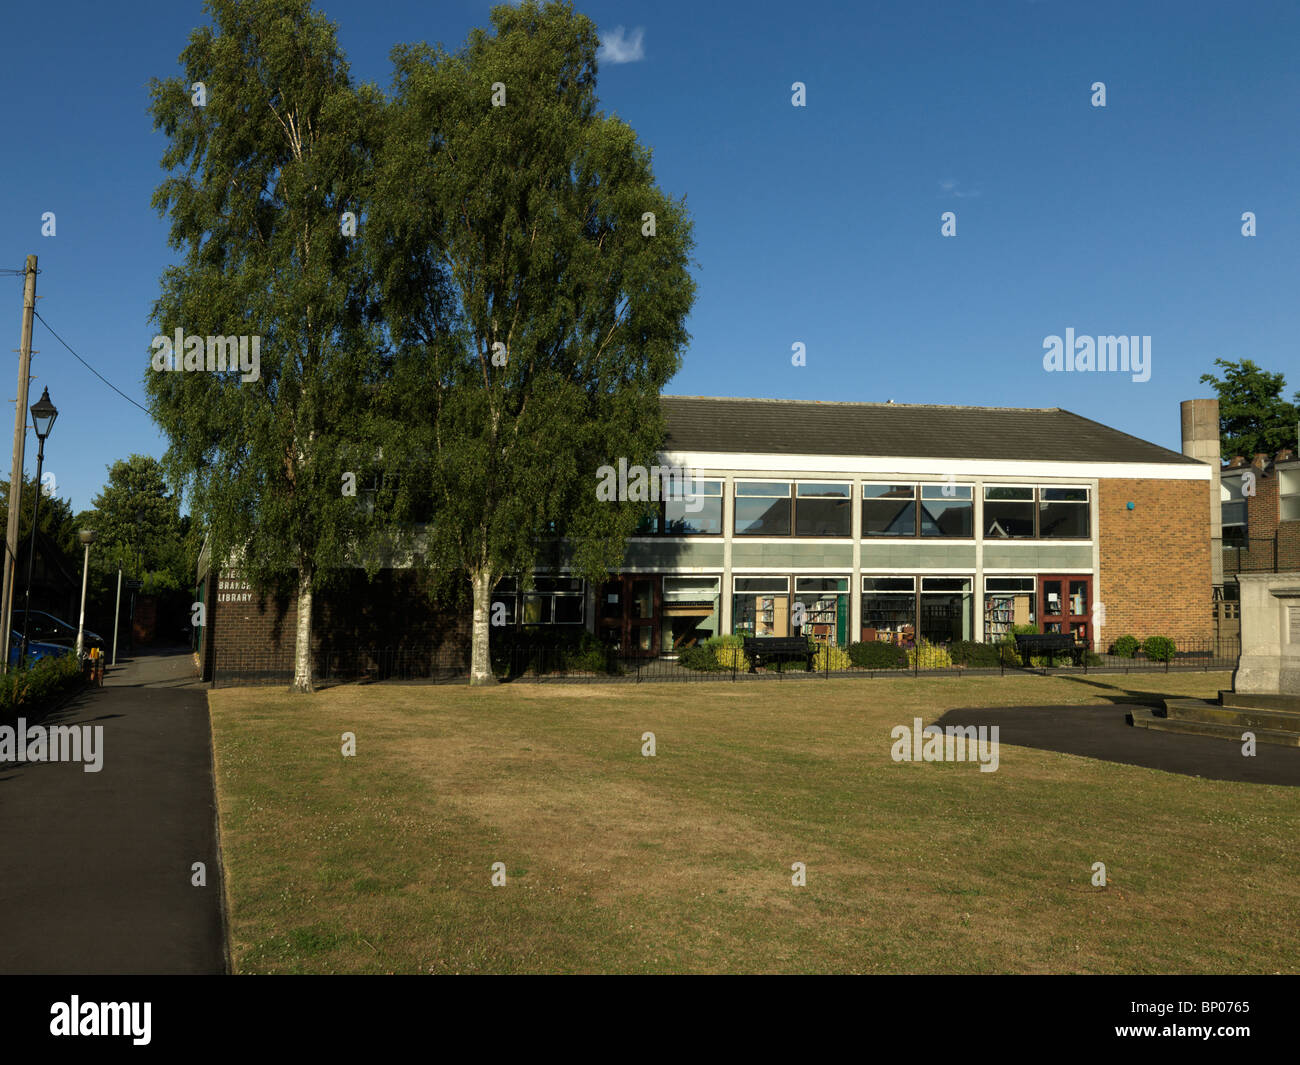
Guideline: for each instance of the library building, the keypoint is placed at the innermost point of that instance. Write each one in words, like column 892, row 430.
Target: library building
column 870, row 522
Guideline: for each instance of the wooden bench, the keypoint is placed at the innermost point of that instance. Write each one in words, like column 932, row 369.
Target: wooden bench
column 759, row 648
column 1048, row 643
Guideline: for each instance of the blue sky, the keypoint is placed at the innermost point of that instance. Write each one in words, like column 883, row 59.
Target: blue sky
column 818, row 225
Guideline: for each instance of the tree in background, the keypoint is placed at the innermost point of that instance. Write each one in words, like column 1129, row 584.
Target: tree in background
column 535, row 287
column 55, row 521
column 136, row 517
column 264, row 167
column 1254, row 416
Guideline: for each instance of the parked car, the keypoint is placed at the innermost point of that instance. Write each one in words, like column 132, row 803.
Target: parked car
column 36, row 649
column 46, row 628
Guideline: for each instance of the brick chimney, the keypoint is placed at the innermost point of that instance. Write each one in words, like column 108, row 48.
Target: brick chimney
column 1200, row 424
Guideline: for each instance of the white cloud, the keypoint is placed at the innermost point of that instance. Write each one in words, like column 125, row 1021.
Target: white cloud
column 618, row 47
column 950, row 187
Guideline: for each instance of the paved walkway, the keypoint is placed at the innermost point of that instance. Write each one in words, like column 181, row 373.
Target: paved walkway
column 1104, row 732
column 95, row 868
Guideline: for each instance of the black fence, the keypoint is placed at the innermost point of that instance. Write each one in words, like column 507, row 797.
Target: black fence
column 1257, row 555
column 524, row 663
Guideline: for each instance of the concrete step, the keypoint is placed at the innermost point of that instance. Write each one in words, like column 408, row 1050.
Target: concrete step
column 1261, row 701
column 1148, row 719
column 1246, row 717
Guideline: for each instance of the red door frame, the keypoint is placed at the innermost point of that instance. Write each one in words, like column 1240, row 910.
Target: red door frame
column 1067, row 620
column 610, row 615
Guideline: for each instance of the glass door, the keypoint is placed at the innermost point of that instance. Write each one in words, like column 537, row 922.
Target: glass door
column 1066, row 603
column 630, row 607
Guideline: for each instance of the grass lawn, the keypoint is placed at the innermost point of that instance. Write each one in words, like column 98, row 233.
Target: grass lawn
column 681, row 862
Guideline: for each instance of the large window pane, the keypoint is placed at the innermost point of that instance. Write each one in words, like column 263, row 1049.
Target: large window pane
column 823, row 510
column 761, row 606
column 698, row 512
column 946, row 609
column 947, row 510
column 690, row 611
column 1008, row 601
column 889, row 510
column 1008, row 513
column 889, row 609
column 762, row 509
column 825, row 602
column 1063, row 513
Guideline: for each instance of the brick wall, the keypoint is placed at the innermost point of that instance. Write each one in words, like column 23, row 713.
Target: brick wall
column 356, row 626
column 1155, row 559
column 1262, row 524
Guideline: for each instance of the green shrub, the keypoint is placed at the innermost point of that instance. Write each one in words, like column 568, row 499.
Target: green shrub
column 38, row 685
column 1094, row 659
column 729, row 652
column 876, row 655
column 832, row 659
column 976, row 655
column 1158, row 648
column 1125, row 647
column 932, row 656
column 700, row 657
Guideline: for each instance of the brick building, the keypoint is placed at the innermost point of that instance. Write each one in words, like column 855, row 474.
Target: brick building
column 862, row 521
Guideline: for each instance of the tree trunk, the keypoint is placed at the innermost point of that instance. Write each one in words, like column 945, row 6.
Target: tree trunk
column 302, row 680
column 480, row 662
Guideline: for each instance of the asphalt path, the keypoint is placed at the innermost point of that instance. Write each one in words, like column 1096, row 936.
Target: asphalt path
column 97, row 869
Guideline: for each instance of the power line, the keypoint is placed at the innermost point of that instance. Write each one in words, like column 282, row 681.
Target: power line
column 91, row 368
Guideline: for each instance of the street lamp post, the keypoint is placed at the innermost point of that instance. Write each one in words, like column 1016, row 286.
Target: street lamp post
column 87, row 537
column 43, row 414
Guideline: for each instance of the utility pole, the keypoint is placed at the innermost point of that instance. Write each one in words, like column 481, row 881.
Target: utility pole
column 16, row 476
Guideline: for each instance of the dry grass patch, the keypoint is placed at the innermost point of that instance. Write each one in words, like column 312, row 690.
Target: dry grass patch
column 616, row 862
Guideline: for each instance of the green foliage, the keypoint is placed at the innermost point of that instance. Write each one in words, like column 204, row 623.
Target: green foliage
column 1125, row 647
column 700, row 657
column 932, row 656
column 1094, row 659
column 729, row 652
column 55, row 522
column 42, row 683
column 1254, row 415
column 552, row 650
column 257, row 181
column 1158, row 648
column 976, row 655
column 521, row 226
column 876, row 655
column 832, row 659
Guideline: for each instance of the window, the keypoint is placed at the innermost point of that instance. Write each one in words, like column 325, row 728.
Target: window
column 1288, row 495
column 698, row 512
column 690, row 611
column 947, row 510
column 825, row 603
column 763, row 508
column 945, row 609
column 1008, row 601
column 760, row 606
column 1063, row 513
column 1008, row 513
column 889, row 510
column 889, row 609
column 506, row 594
column 554, row 601
column 823, row 510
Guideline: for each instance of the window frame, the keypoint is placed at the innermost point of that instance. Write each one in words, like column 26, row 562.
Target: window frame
column 736, row 497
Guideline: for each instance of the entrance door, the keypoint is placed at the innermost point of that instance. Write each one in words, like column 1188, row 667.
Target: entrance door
column 1065, row 605
column 630, row 608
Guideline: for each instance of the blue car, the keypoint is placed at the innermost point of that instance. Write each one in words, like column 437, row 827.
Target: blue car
column 36, row 649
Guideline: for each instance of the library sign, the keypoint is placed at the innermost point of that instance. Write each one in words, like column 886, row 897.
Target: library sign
column 234, row 590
